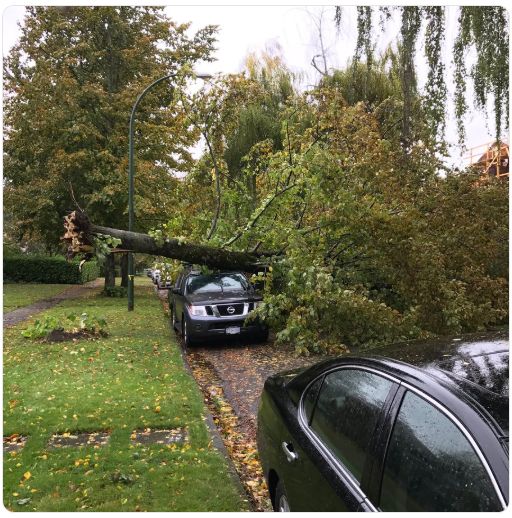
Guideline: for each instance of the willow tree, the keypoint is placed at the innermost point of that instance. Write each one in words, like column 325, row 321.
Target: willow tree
column 261, row 117
column 234, row 113
column 482, row 29
column 378, row 87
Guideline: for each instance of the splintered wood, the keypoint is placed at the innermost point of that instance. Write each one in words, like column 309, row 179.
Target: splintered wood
column 75, row 236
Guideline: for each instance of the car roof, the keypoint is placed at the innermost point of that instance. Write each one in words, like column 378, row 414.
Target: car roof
column 476, row 365
column 465, row 357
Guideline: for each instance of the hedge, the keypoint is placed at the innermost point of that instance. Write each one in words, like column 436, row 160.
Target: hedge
column 48, row 270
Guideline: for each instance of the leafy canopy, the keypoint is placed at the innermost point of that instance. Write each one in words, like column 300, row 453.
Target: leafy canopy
column 70, row 84
column 484, row 29
column 368, row 245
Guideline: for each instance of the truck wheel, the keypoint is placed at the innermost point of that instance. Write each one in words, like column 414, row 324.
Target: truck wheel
column 173, row 319
column 185, row 333
column 263, row 335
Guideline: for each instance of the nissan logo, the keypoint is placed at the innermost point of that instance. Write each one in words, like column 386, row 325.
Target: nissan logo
column 230, row 310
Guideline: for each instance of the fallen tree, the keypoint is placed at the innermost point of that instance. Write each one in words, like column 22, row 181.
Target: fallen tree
column 81, row 233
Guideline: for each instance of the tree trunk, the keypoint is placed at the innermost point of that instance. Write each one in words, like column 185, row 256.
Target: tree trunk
column 124, row 270
column 110, row 271
column 80, row 233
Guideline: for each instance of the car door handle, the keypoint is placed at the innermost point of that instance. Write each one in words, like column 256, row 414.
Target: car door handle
column 288, row 451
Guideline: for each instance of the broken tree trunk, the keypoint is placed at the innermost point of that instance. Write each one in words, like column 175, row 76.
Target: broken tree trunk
column 80, row 233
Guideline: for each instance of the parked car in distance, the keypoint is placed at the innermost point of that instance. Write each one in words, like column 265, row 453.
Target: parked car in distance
column 155, row 276
column 422, row 426
column 164, row 284
column 210, row 305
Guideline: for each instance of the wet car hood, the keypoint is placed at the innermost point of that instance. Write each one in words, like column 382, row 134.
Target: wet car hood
column 228, row 297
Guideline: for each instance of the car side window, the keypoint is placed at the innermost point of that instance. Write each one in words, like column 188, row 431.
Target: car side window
column 346, row 412
column 310, row 398
column 183, row 281
column 431, row 466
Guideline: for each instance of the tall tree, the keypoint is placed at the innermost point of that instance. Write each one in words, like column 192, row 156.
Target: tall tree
column 484, row 29
column 261, row 117
column 70, row 84
column 235, row 114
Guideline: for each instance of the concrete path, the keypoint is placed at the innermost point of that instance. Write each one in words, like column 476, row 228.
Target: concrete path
column 18, row 315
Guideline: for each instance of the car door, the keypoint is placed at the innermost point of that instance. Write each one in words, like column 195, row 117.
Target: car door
column 340, row 415
column 433, row 464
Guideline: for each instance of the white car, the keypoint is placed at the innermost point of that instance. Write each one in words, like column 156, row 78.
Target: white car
column 155, row 276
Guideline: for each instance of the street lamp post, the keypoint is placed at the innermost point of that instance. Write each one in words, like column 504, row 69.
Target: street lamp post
column 131, row 176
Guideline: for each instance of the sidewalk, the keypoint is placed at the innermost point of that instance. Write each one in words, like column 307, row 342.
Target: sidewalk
column 18, row 315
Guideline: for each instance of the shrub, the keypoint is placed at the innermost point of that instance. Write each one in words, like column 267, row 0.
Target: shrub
column 42, row 328
column 48, row 270
column 90, row 271
column 115, row 291
column 78, row 324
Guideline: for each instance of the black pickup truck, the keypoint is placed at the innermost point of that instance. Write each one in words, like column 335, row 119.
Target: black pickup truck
column 209, row 305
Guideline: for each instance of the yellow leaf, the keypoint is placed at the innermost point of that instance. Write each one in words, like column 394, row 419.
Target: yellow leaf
column 27, row 475
column 157, row 409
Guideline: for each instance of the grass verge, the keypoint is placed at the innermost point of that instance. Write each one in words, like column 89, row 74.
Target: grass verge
column 19, row 295
column 132, row 379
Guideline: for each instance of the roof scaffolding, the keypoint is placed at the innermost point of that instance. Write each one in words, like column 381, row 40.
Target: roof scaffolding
column 492, row 159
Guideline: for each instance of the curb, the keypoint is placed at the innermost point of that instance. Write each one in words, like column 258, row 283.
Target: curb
column 217, row 441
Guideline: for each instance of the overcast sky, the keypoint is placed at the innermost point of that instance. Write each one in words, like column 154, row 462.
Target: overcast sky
column 245, row 29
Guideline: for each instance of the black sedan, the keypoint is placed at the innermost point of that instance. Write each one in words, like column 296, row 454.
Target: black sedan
column 424, row 427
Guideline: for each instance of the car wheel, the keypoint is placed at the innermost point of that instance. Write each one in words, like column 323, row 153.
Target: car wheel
column 281, row 504
column 263, row 335
column 173, row 319
column 186, row 337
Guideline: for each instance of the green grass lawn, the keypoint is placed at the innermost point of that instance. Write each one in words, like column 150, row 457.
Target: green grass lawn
column 19, row 295
column 130, row 380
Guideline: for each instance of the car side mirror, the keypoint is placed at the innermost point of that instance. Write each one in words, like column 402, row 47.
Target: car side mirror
column 177, row 291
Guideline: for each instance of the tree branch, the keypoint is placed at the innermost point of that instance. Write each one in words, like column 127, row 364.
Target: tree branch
column 253, row 222
column 215, row 219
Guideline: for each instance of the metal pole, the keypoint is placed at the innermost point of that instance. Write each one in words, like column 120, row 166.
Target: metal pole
column 131, row 176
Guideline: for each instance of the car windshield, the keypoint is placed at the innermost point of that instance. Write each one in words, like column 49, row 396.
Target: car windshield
column 217, row 283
